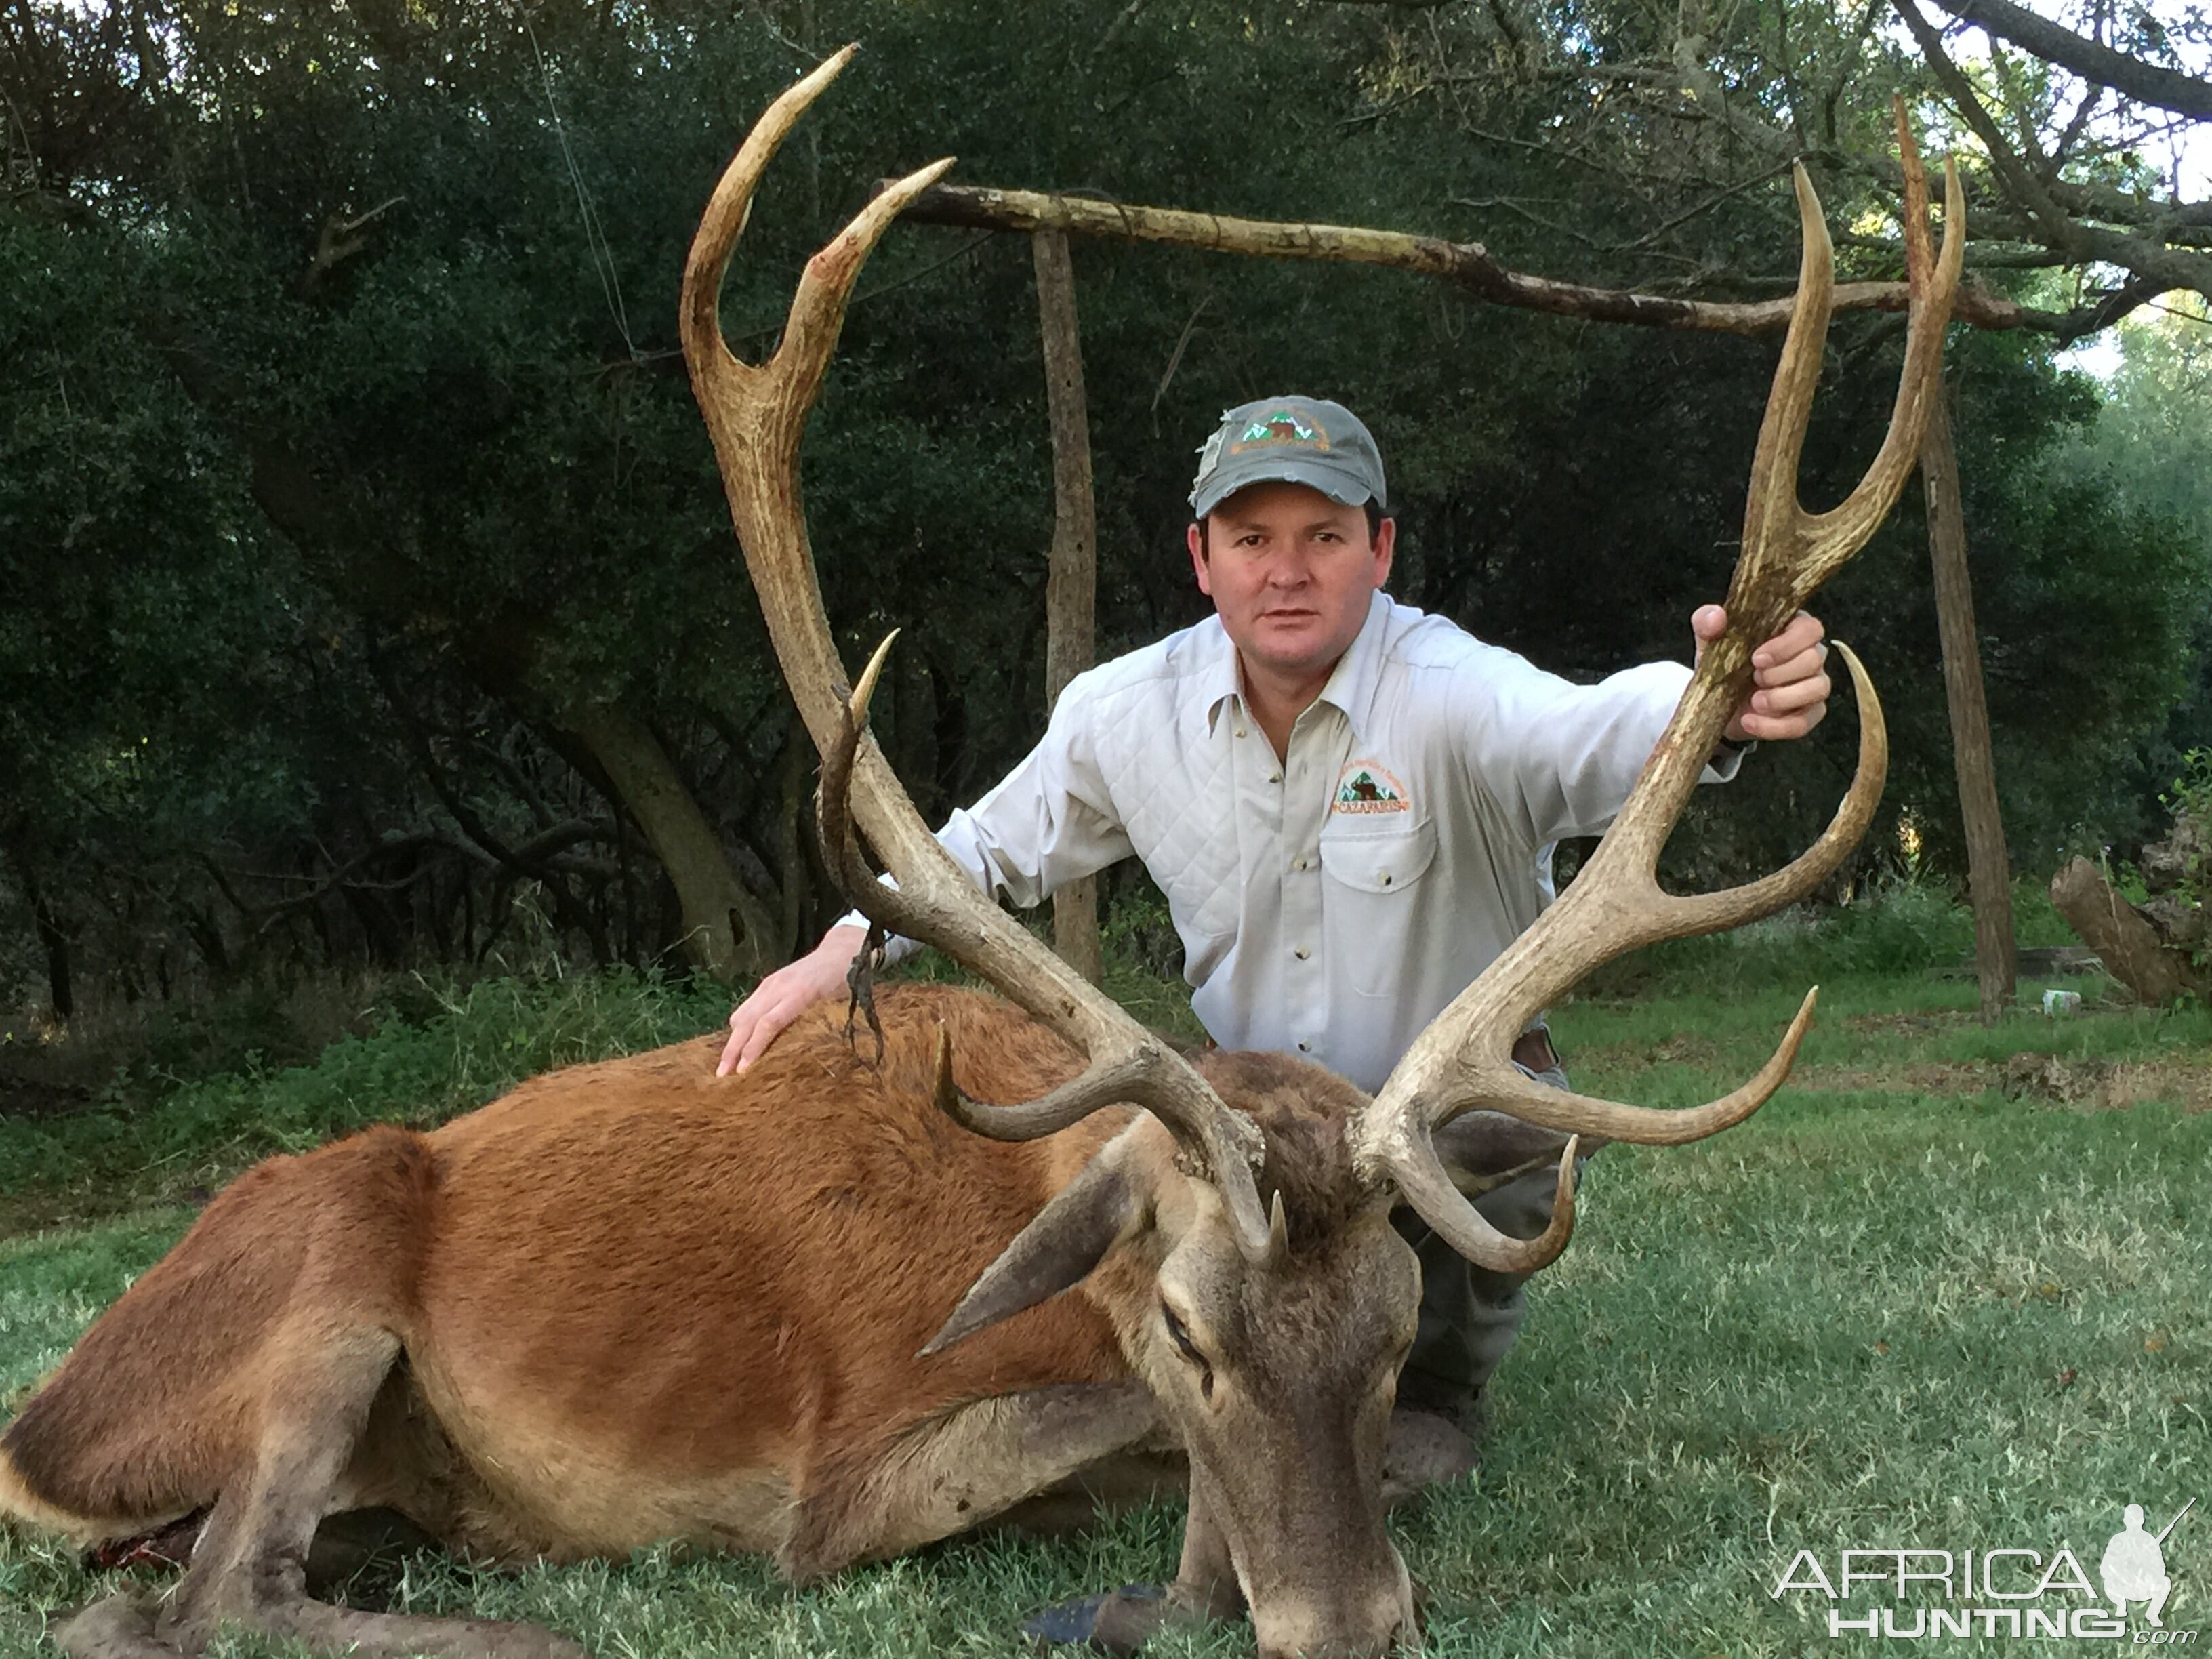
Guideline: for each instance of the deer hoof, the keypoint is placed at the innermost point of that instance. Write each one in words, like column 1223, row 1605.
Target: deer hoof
column 120, row 1628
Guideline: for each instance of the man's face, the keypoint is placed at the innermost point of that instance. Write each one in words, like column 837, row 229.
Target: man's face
column 1290, row 571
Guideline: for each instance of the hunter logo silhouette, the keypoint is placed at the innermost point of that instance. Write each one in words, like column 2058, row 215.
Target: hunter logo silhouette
column 1364, row 787
column 2134, row 1567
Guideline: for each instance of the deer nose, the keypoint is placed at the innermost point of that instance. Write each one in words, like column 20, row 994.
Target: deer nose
column 1399, row 1640
column 1374, row 1632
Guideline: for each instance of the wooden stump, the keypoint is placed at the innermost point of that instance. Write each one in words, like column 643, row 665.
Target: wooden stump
column 2129, row 947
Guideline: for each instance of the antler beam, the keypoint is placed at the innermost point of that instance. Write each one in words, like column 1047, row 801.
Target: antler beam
column 1462, row 1062
column 756, row 415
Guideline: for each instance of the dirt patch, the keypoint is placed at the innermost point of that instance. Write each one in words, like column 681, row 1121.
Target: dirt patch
column 1628, row 1059
column 1917, row 1023
column 2091, row 1084
column 1683, row 1048
column 2107, row 1085
column 1948, row 1077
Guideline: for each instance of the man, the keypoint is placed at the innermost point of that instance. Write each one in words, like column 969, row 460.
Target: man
column 1349, row 806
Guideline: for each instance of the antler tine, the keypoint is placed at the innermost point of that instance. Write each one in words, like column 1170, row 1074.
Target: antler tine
column 1831, row 537
column 756, row 414
column 1460, row 1224
column 1616, row 905
column 1138, row 1070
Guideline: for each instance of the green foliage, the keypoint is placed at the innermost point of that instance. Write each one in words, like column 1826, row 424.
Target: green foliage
column 1893, row 928
column 427, row 1053
column 345, row 451
column 2149, row 435
column 2149, row 446
column 2188, row 849
column 1900, row 928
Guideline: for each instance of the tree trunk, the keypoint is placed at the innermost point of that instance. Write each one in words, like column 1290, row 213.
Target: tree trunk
column 61, row 992
column 727, row 933
column 1071, row 578
column 1988, row 870
column 2128, row 946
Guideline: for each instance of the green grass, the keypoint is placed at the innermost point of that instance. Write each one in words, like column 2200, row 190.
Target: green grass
column 1876, row 1315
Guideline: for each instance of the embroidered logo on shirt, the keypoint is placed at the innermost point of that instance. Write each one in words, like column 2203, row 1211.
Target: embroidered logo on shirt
column 1364, row 787
column 1279, row 426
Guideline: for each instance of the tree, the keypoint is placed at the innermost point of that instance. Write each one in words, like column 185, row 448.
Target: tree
column 2076, row 167
column 364, row 319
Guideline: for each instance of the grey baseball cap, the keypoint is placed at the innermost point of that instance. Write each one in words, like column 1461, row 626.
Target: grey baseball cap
column 1290, row 440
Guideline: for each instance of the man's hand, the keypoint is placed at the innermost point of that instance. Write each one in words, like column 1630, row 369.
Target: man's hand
column 1788, row 677
column 787, row 992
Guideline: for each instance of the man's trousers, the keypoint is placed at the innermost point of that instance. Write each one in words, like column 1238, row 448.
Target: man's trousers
column 1470, row 1316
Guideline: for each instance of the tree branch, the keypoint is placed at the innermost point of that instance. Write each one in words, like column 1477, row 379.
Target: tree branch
column 2147, row 83
column 2147, row 261
column 1467, row 266
column 2024, row 185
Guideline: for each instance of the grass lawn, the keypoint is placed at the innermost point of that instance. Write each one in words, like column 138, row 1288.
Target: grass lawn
column 1953, row 1288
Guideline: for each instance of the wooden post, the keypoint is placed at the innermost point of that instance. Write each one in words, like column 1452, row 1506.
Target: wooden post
column 1072, row 578
column 1988, row 871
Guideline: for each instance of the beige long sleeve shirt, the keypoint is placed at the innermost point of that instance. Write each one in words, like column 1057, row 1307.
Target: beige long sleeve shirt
column 1333, row 901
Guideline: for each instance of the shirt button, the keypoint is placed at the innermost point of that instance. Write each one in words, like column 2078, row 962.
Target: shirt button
column 1302, row 953
column 1305, row 1047
column 1240, row 730
column 1274, row 777
column 1383, row 875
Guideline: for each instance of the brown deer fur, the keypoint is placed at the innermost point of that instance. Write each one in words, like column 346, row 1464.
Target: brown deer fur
column 615, row 1288
column 632, row 1301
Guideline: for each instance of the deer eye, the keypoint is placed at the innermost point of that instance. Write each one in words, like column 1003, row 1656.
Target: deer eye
column 1180, row 1336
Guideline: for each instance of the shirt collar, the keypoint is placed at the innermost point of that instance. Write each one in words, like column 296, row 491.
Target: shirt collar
column 1350, row 688
column 1214, row 679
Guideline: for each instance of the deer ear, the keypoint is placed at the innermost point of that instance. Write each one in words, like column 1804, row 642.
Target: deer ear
column 1069, row 1237
column 1482, row 1150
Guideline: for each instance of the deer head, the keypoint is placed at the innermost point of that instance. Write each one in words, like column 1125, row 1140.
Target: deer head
column 1272, row 1333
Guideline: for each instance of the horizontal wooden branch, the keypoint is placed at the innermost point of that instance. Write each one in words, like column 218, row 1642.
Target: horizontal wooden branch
column 1466, row 264
column 2148, row 84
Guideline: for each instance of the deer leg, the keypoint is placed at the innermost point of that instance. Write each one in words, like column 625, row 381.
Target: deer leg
column 1122, row 1621
column 960, row 1470
column 1206, row 1585
column 249, row 1567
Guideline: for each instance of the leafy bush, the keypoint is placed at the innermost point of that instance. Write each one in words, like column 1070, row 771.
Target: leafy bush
column 1900, row 926
column 429, row 1053
column 2177, row 872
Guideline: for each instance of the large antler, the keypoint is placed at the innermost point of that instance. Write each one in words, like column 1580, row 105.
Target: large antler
column 756, row 415
column 1615, row 905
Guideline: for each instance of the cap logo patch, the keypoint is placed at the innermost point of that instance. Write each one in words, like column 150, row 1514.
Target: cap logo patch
column 1279, row 426
column 1363, row 787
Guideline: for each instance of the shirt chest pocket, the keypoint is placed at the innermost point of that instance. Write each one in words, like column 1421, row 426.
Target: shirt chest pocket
column 1372, row 895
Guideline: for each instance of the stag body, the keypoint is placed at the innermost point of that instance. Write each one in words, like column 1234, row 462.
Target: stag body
column 632, row 1301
